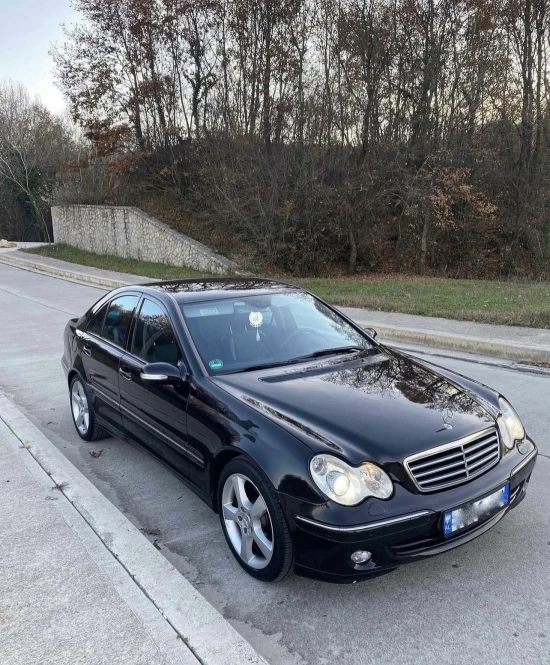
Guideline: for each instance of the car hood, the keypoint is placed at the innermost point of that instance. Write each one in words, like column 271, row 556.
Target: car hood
column 381, row 407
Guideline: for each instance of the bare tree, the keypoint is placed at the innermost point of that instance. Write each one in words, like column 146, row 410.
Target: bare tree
column 372, row 128
column 33, row 145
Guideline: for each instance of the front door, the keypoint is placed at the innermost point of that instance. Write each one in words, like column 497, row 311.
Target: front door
column 102, row 347
column 155, row 415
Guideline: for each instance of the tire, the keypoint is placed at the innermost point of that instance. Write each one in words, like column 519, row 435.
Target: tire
column 82, row 411
column 253, row 522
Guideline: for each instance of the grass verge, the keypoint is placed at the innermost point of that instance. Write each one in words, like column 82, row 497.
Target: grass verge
column 509, row 303
column 116, row 263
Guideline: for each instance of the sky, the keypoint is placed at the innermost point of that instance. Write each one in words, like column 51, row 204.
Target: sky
column 27, row 30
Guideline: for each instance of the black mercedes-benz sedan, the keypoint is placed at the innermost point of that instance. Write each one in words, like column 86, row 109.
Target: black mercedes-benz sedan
column 322, row 451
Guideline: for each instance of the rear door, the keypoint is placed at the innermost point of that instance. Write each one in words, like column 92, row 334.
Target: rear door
column 155, row 415
column 101, row 349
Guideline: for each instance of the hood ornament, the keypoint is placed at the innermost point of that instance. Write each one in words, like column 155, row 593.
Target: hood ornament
column 447, row 419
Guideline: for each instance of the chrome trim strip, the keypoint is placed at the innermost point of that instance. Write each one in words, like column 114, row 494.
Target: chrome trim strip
column 526, row 461
column 459, row 443
column 365, row 527
column 460, row 463
column 441, row 459
column 480, row 462
column 493, row 448
column 104, row 395
column 186, row 451
column 483, row 443
column 444, row 476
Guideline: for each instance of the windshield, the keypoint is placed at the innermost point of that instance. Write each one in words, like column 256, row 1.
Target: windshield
column 240, row 334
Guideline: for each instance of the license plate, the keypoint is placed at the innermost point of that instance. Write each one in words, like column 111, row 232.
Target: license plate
column 479, row 510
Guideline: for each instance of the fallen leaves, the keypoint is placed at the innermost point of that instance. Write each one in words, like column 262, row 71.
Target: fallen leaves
column 152, row 531
column 96, row 453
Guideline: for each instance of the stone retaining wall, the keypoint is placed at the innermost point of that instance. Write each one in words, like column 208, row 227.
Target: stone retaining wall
column 130, row 233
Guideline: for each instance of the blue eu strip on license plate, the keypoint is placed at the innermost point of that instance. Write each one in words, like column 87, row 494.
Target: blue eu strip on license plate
column 475, row 511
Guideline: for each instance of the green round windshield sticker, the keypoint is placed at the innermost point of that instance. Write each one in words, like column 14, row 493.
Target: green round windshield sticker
column 216, row 363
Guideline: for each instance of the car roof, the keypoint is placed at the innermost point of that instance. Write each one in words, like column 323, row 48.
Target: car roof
column 216, row 288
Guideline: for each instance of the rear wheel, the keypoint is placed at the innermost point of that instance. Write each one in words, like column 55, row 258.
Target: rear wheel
column 83, row 413
column 253, row 522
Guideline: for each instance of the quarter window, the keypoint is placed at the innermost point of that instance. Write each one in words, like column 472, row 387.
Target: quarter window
column 153, row 339
column 118, row 318
column 97, row 322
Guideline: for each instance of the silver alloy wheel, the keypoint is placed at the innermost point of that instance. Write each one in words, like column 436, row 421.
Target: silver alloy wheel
column 79, row 405
column 247, row 521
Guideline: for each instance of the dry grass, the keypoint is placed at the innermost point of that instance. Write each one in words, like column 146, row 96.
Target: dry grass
column 508, row 302
column 116, row 263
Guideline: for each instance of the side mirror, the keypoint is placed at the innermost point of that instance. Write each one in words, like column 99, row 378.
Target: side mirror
column 371, row 331
column 161, row 373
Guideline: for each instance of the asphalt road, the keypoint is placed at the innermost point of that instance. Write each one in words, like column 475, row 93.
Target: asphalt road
column 487, row 602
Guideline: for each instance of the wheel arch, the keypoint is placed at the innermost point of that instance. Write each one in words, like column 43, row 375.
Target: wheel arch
column 71, row 375
column 284, row 462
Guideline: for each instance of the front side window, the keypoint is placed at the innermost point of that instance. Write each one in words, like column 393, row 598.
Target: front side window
column 118, row 318
column 153, row 339
column 236, row 334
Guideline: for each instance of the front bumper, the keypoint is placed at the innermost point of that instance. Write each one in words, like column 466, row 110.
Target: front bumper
column 323, row 550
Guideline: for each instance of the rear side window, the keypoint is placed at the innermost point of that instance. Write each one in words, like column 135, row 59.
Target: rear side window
column 117, row 319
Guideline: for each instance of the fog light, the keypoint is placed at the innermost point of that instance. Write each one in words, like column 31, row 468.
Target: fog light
column 361, row 556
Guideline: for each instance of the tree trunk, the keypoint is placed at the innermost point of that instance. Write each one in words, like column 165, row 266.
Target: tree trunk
column 268, row 29
column 352, row 260
column 424, row 245
column 527, row 103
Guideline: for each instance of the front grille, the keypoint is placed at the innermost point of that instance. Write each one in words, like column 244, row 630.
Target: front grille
column 455, row 462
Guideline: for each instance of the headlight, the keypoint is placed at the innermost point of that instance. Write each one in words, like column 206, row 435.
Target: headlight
column 509, row 424
column 348, row 485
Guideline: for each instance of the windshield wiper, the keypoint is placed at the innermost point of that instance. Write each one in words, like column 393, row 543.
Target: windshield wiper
column 328, row 352
column 298, row 359
column 251, row 368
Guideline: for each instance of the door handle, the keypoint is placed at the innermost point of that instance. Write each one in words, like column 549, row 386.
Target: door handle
column 125, row 373
column 87, row 349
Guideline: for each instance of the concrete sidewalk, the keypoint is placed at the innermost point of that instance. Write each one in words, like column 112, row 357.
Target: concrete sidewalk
column 79, row 583
column 528, row 345
column 57, row 605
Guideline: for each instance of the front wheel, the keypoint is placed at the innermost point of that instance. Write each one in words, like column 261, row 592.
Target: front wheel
column 253, row 522
column 83, row 412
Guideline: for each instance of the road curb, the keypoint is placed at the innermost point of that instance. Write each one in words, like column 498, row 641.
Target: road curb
column 211, row 639
column 456, row 342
